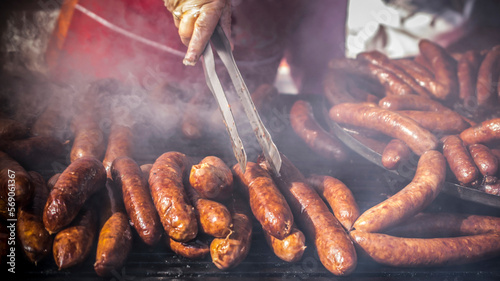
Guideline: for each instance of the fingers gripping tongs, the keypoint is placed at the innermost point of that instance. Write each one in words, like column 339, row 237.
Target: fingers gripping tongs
column 223, row 49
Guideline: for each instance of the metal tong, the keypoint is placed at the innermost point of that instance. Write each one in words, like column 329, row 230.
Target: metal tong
column 223, row 48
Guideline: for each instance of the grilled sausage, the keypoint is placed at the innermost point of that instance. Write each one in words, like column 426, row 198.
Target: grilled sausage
column 484, row 132
column 411, row 102
column 165, row 181
column 379, row 59
column 338, row 196
column 72, row 245
column 444, row 68
column 468, row 67
column 446, row 122
column 213, row 217
column 89, row 138
column 138, row 202
column 335, row 249
column 420, row 73
column 291, row 248
column 194, row 249
column 395, row 153
column 414, row 252
column 35, row 240
column 267, row 203
column 14, row 180
column 487, row 78
column 390, row 123
column 427, row 225
column 459, row 160
column 11, row 129
column 493, row 188
column 114, row 244
column 119, row 144
column 486, row 162
column 307, row 128
column 212, row 178
column 34, row 153
column 230, row 251
column 76, row 184
column 420, row 192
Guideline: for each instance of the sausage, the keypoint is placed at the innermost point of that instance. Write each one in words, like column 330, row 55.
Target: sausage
column 194, row 249
column 418, row 194
column 338, row 196
column 468, row 67
column 138, row 202
column 230, row 251
column 11, row 129
column 267, row 203
column 14, row 178
column 427, row 225
column 307, row 128
column 291, row 248
column 52, row 181
column 390, row 123
column 212, row 178
column 335, row 249
column 114, row 244
column 395, row 153
column 359, row 93
column 415, row 252
column 411, row 102
column 487, row 78
column 444, row 68
column 72, row 245
column 446, row 122
column 422, row 61
column 379, row 59
column 484, row 132
column 35, row 240
column 213, row 217
column 420, row 73
column 76, row 184
column 486, row 162
column 119, row 144
column 460, row 162
column 34, row 153
column 89, row 138
column 165, row 181
column 492, row 188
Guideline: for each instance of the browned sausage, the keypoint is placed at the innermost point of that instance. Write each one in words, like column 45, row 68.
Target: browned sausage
column 11, row 129
column 267, row 203
column 468, row 67
column 444, row 68
column 35, row 240
column 445, row 122
column 212, row 178
column 395, row 153
column 34, row 153
column 291, row 248
column 414, row 252
column 487, row 78
column 484, row 132
column 335, row 249
column 307, row 128
column 411, row 102
column 379, row 59
column 15, row 182
column 72, row 245
column 114, row 244
column 213, row 217
column 493, row 188
column 230, row 251
column 421, row 60
column 338, row 196
column 138, row 202
column 194, row 249
column 388, row 122
column 420, row 73
column 460, row 162
column 76, row 184
column 89, row 138
column 420, row 192
column 119, row 144
column 486, row 162
column 427, row 225
column 165, row 181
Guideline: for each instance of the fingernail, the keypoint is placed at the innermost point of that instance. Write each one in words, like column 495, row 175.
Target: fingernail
column 189, row 60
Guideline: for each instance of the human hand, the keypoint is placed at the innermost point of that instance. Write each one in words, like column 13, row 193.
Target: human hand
column 196, row 21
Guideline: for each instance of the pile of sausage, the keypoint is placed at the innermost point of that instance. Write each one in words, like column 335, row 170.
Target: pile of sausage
column 404, row 107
